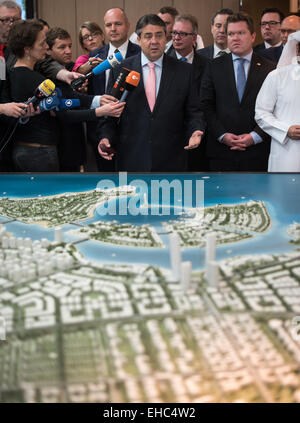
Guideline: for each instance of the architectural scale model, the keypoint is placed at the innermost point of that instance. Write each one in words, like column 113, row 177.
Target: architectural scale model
column 77, row 327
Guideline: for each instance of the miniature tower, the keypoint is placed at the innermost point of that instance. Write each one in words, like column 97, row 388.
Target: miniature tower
column 210, row 251
column 213, row 274
column 175, row 256
column 58, row 235
column 185, row 275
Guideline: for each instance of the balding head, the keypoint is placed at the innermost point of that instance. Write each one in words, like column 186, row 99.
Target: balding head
column 116, row 26
column 289, row 25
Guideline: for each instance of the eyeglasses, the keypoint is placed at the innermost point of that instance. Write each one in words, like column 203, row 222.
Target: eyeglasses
column 7, row 21
column 181, row 34
column 288, row 31
column 87, row 37
column 270, row 23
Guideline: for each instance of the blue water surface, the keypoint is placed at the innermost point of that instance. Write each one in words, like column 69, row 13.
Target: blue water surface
column 280, row 192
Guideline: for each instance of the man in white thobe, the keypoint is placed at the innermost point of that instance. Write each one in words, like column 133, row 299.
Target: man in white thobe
column 277, row 109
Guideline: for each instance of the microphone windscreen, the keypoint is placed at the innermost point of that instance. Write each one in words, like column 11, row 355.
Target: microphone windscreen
column 47, row 87
column 112, row 61
column 119, row 85
column 49, row 103
column 57, row 92
column 132, row 80
column 68, row 103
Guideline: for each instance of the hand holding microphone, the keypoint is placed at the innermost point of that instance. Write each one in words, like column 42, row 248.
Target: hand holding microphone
column 112, row 109
column 112, row 61
column 45, row 89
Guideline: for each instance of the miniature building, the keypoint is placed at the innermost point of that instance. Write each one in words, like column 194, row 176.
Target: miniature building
column 58, row 235
column 185, row 275
column 175, row 255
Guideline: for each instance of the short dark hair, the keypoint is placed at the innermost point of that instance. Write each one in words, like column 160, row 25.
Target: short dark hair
column 93, row 27
column 221, row 12
column 150, row 19
column 168, row 9
column 43, row 22
column 241, row 17
column 189, row 18
column 56, row 33
column 23, row 34
column 273, row 10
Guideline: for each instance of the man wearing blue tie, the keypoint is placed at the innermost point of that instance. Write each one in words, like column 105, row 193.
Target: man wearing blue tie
column 228, row 94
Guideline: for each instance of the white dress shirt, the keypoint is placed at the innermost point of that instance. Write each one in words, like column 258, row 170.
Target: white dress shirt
column 122, row 49
column 217, row 50
column 277, row 109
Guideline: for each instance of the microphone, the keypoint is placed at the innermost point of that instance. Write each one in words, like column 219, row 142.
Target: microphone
column 112, row 61
column 131, row 82
column 54, row 102
column 69, row 103
column 119, row 85
column 45, row 89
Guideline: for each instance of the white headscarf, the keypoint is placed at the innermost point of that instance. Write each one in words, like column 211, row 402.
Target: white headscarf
column 289, row 51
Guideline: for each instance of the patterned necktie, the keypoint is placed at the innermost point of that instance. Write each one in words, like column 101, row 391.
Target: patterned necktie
column 240, row 78
column 183, row 59
column 221, row 53
column 150, row 87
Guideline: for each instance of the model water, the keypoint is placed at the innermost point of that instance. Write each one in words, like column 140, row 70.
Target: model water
column 279, row 192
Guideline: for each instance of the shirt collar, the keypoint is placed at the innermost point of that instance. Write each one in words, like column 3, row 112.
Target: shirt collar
column 217, row 49
column 267, row 45
column 122, row 49
column 145, row 60
column 189, row 57
column 168, row 45
column 248, row 57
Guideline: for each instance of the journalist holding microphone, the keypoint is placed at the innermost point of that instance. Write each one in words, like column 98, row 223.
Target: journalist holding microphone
column 35, row 141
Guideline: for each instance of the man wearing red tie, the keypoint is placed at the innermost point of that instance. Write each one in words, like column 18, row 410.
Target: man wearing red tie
column 161, row 119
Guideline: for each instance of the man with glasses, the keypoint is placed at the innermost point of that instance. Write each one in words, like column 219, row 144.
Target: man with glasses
column 289, row 25
column 184, row 35
column 10, row 12
column 270, row 23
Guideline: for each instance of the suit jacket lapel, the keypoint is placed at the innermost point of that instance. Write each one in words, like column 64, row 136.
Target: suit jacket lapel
column 228, row 69
column 165, row 81
column 255, row 67
column 137, row 66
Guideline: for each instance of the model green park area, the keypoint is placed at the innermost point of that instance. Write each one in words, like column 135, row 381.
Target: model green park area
column 56, row 210
column 231, row 223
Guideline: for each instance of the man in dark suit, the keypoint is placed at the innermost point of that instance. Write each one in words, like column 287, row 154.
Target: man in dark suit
column 289, row 25
column 270, row 22
column 161, row 119
column 228, row 95
column 184, row 36
column 219, row 46
column 116, row 26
